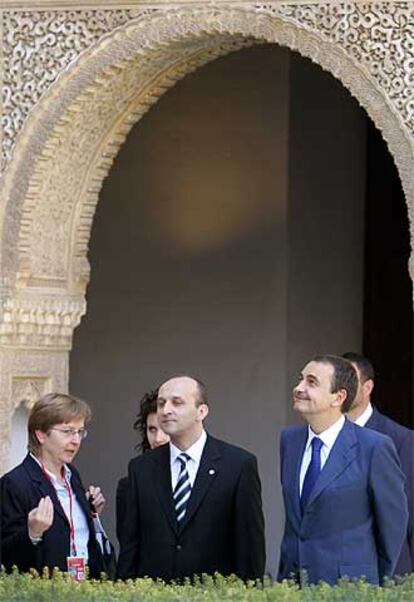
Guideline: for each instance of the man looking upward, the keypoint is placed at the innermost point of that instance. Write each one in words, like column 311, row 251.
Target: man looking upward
column 343, row 489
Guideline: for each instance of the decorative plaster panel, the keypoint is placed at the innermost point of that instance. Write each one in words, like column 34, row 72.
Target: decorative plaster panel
column 40, row 322
column 28, row 389
column 23, row 374
column 142, row 59
column 37, row 47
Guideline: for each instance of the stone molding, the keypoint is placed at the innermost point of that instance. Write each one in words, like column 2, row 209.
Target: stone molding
column 75, row 80
column 26, row 374
column 39, row 45
column 40, row 322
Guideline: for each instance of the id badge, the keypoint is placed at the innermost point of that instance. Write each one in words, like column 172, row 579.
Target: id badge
column 76, row 567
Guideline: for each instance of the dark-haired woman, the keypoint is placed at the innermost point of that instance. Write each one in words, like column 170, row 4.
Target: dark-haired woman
column 151, row 436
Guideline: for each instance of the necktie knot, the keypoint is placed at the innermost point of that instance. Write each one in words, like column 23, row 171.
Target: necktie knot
column 183, row 459
column 316, row 444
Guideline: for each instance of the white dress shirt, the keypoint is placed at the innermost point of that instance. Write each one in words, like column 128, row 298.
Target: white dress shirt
column 80, row 525
column 195, row 452
column 328, row 438
column 365, row 416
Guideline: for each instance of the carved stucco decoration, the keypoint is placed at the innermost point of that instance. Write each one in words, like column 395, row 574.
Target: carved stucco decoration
column 40, row 322
column 75, row 129
column 25, row 375
column 70, row 139
column 37, row 47
column 27, row 390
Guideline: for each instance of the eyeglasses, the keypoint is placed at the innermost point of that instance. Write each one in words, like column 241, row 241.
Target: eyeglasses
column 70, row 433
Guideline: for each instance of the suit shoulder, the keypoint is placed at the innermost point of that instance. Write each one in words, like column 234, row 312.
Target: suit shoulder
column 146, row 459
column 390, row 427
column 292, row 432
column 16, row 482
column 230, row 450
column 371, row 438
column 16, row 474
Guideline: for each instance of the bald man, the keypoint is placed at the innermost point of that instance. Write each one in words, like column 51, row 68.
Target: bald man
column 193, row 505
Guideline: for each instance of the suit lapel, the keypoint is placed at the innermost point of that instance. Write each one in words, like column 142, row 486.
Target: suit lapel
column 342, row 454
column 43, row 484
column 206, row 474
column 292, row 467
column 163, row 484
column 375, row 420
column 80, row 494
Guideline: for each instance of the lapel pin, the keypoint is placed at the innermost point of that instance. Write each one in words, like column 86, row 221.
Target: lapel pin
column 211, row 471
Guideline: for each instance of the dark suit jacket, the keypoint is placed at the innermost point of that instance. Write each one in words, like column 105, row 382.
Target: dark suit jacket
column 356, row 518
column 21, row 490
column 223, row 529
column 120, row 505
column 404, row 442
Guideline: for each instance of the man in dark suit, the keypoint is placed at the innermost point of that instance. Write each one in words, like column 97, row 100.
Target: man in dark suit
column 363, row 413
column 345, row 504
column 193, row 505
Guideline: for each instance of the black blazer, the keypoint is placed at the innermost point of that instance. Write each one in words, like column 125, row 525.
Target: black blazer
column 404, row 442
column 223, row 529
column 21, row 490
column 120, row 505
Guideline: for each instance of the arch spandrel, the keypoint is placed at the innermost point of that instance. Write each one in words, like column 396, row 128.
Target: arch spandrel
column 65, row 146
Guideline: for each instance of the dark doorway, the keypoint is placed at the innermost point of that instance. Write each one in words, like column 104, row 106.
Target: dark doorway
column 388, row 295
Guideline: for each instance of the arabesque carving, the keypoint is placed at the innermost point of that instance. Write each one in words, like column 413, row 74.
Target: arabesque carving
column 27, row 390
column 37, row 47
column 25, row 373
column 40, row 322
column 377, row 35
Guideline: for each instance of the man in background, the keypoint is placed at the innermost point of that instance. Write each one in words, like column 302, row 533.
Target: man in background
column 363, row 413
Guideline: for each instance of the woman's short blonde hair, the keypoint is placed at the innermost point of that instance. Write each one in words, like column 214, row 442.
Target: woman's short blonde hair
column 53, row 409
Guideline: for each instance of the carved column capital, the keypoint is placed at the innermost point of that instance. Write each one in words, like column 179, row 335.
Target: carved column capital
column 40, row 322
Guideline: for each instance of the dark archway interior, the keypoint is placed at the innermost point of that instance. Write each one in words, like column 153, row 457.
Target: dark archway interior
column 388, row 288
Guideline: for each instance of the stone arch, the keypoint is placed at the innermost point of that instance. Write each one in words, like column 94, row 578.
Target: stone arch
column 72, row 135
column 51, row 183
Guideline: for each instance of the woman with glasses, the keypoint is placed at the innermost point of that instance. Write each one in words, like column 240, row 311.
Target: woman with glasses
column 151, row 436
column 46, row 515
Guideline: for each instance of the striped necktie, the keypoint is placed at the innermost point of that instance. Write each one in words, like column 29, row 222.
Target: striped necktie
column 182, row 489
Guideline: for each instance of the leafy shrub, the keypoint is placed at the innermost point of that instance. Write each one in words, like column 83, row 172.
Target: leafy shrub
column 34, row 588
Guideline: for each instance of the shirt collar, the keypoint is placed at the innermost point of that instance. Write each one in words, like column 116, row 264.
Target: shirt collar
column 195, row 451
column 365, row 416
column 328, row 436
column 66, row 470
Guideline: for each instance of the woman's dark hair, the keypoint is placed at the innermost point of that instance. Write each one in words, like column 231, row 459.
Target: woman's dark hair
column 147, row 405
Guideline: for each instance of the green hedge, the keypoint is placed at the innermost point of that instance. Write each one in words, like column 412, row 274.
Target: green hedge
column 25, row 587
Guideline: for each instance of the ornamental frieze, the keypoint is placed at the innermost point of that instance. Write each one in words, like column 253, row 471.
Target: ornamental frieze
column 38, row 46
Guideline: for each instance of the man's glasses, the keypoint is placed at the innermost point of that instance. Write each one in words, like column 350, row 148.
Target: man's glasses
column 70, row 433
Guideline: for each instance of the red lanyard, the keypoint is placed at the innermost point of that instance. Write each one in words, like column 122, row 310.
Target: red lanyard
column 70, row 517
